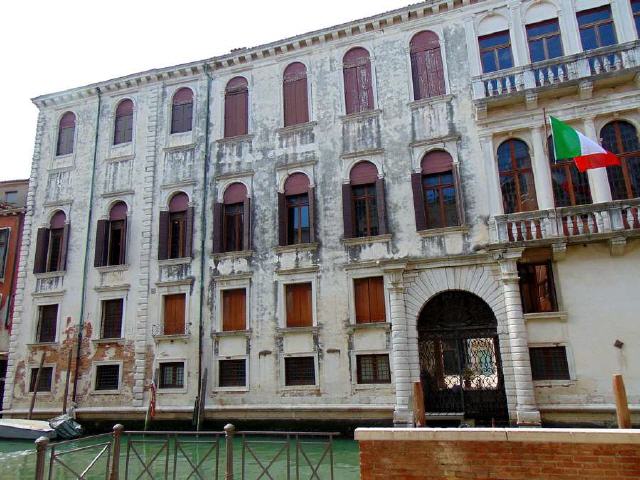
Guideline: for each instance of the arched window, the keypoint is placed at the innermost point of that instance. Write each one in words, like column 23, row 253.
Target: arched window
column 182, row 111
column 570, row 185
column 236, row 107
column 358, row 89
column 295, row 211
column 426, row 66
column 66, row 134
column 296, row 108
column 621, row 138
column 52, row 244
column 176, row 228
column 434, row 192
column 123, row 129
column 111, row 237
column 363, row 202
column 516, row 177
column 232, row 220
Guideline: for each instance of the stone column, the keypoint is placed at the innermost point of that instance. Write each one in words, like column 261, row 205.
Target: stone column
column 527, row 412
column 569, row 28
column 491, row 168
column 541, row 170
column 624, row 22
column 518, row 36
column 402, row 415
column 598, row 180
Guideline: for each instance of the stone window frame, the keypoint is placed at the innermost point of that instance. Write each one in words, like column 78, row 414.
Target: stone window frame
column 338, row 58
column 283, row 377
column 216, row 373
column 231, row 283
column 35, row 323
column 573, row 378
column 34, row 366
column 119, row 294
column 183, row 287
column 291, row 278
column 59, row 113
column 172, row 359
column 407, row 37
column 180, row 138
column 128, row 148
column 371, row 386
column 351, row 295
column 218, row 92
column 94, row 377
column 283, row 64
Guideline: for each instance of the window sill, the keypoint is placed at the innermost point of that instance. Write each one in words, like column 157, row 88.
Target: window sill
column 105, row 392
column 386, row 238
column 359, row 387
column 175, row 261
column 108, row 341
column 359, row 115
column 42, row 344
column 546, row 317
column 236, row 139
column 58, row 273
column 232, row 255
column 436, row 232
column 184, row 338
column 296, row 128
column 240, row 390
column 303, row 389
column 298, row 247
column 554, row 383
column 386, row 326
column 428, row 101
column 169, row 390
column 289, row 330
column 113, row 268
column 232, row 333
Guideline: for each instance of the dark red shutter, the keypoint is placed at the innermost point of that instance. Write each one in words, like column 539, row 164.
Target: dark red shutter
column 101, row 243
column 351, row 89
column 418, row 201
column 459, row 202
column 163, row 236
column 347, row 215
column 382, row 208
column 123, row 242
column 434, row 72
column 312, row 214
column 246, row 228
column 64, row 247
column 217, row 227
column 188, row 234
column 365, row 87
column 302, row 104
column 282, row 219
column 42, row 247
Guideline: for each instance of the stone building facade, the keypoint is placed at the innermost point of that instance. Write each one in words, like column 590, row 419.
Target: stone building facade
column 314, row 224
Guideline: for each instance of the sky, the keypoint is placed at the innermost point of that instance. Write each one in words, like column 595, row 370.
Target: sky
column 47, row 46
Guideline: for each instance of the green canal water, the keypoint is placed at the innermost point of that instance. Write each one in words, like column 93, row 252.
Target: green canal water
column 17, row 459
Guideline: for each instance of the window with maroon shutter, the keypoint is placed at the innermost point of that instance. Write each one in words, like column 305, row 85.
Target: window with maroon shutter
column 296, row 109
column 236, row 108
column 44, row 381
column 358, row 88
column 116, row 235
column 364, row 200
column 47, row 323
column 177, row 225
column 56, row 243
column 182, row 111
column 234, row 303
column 174, row 314
column 369, row 299
column 295, row 211
column 537, row 289
column 516, row 177
column 233, row 218
column 299, row 305
column 439, row 194
column 123, row 128
column 66, row 134
column 426, row 66
column 112, row 311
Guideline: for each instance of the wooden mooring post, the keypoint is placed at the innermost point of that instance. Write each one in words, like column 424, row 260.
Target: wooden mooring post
column 419, row 415
column 229, row 431
column 622, row 406
column 114, row 473
column 41, row 456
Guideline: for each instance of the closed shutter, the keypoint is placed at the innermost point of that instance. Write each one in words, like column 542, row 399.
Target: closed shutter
column 163, row 236
column 418, row 201
column 174, row 314
column 312, row 214
column 123, row 242
column 299, row 306
column 369, row 299
column 382, row 210
column 434, row 72
column 282, row 219
column 64, row 248
column 246, row 228
column 217, row 227
column 236, row 113
column 101, row 243
column 361, row 295
column 347, row 210
column 234, row 310
column 188, row 234
column 351, row 90
column 458, row 187
column 365, row 87
column 42, row 248
column 296, row 108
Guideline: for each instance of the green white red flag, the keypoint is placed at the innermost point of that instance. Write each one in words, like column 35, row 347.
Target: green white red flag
column 569, row 143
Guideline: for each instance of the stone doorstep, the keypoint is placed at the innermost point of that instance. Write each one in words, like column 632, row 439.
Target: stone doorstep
column 545, row 435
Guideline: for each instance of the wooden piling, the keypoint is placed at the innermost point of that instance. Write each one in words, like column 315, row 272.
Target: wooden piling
column 622, row 405
column 35, row 387
column 418, row 405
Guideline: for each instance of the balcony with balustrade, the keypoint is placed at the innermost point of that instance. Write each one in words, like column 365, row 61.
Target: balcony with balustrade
column 614, row 222
column 579, row 72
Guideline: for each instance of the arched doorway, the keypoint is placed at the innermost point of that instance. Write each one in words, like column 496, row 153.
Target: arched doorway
column 460, row 365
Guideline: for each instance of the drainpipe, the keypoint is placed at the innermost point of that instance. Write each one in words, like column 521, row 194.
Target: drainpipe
column 203, row 235
column 84, row 263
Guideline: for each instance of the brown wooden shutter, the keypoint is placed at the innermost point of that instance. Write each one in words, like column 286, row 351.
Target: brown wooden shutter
column 376, row 299
column 234, row 310
column 163, row 236
column 361, row 296
column 246, row 228
column 42, row 248
column 299, row 305
column 459, row 202
column 351, row 90
column 123, row 242
column 312, row 214
column 64, row 246
column 188, row 234
column 282, row 219
column 347, row 210
column 101, row 243
column 217, row 227
column 174, row 314
column 418, row 201
column 382, row 208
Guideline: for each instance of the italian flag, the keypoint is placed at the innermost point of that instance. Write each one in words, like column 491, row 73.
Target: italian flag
column 569, row 143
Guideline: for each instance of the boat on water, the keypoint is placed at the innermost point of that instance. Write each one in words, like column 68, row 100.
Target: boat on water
column 22, row 429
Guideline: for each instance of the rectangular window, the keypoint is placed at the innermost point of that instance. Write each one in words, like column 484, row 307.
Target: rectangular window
column 596, row 28
column 47, row 322
column 115, row 254
column 544, row 40
column 233, row 373
column 369, row 299
column 65, row 140
column 174, row 314
column 44, row 382
column 299, row 371
column 373, row 368
column 495, row 51
column 112, row 311
column 181, row 117
column 233, row 227
column 549, row 363
column 123, row 132
column 4, row 247
column 537, row 289
column 172, row 375
column 107, row 377
column 177, row 230
column 298, row 226
column 299, row 306
column 440, row 200
column 234, row 309
column 365, row 210
column 55, row 249
column 11, row 197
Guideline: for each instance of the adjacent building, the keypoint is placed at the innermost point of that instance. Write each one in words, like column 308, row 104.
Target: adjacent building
column 303, row 229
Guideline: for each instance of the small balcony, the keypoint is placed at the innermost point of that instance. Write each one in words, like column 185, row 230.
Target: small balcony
column 613, row 221
column 581, row 70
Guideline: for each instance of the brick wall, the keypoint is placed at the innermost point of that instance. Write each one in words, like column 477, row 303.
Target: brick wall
column 513, row 454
